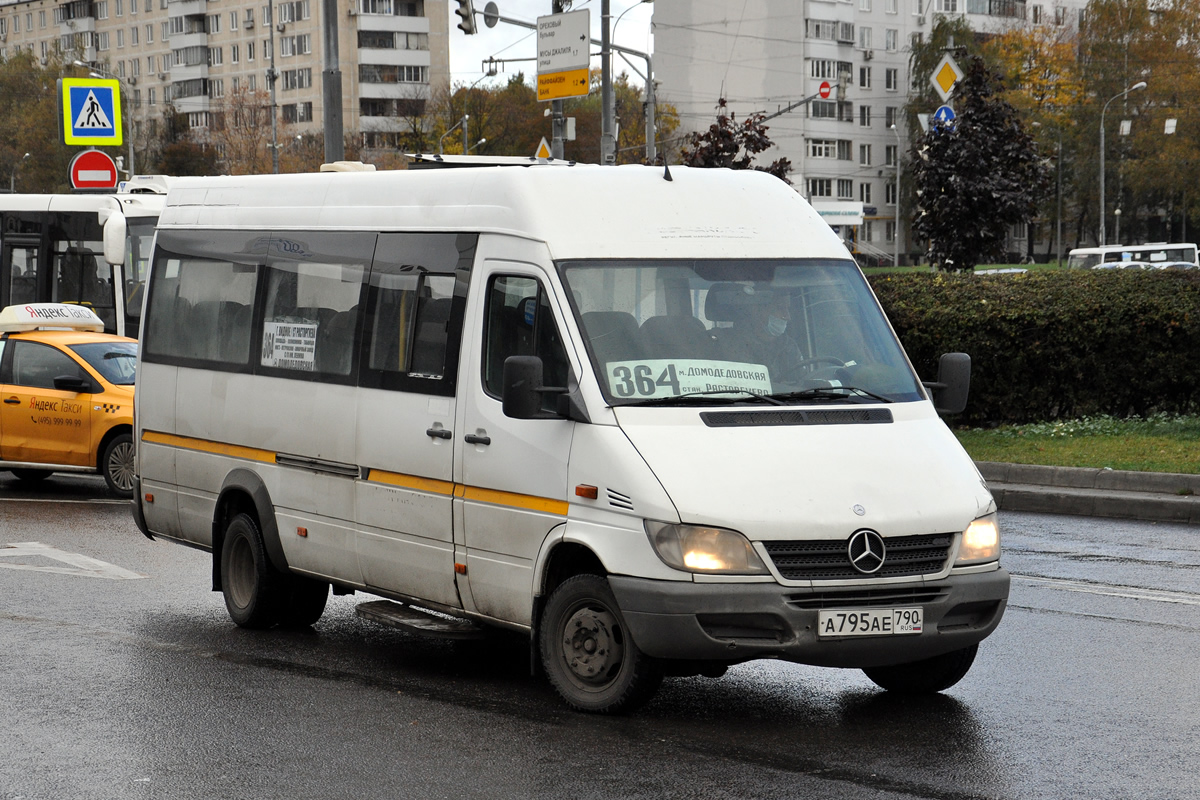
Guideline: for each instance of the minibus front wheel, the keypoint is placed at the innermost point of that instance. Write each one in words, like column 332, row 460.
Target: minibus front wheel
column 587, row 651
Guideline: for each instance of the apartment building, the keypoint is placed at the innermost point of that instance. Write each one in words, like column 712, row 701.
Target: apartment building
column 845, row 149
column 198, row 55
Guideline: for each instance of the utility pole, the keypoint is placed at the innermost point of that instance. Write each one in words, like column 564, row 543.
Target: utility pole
column 608, row 137
column 331, row 86
column 558, row 123
column 272, row 76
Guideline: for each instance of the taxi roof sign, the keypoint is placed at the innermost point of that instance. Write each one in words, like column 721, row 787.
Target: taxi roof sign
column 91, row 111
column 49, row 316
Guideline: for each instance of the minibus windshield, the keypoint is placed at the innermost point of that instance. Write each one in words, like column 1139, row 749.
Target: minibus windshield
column 704, row 331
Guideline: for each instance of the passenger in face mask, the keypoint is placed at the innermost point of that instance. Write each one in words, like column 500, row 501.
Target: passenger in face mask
column 759, row 336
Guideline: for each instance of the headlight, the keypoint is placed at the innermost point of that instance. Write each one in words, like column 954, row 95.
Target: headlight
column 696, row 548
column 980, row 542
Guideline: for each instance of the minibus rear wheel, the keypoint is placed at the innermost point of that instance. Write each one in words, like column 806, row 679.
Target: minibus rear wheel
column 587, row 651
column 926, row 676
column 254, row 592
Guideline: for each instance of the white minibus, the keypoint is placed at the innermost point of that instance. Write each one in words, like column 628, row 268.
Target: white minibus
column 655, row 420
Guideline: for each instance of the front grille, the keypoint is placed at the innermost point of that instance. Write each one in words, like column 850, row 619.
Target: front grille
column 870, row 598
column 827, row 559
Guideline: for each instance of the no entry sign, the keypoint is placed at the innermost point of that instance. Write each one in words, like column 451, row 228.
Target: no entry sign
column 825, row 90
column 93, row 169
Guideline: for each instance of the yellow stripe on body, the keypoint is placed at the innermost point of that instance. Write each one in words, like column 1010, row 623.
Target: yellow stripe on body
column 431, row 485
column 207, row 446
column 525, row 501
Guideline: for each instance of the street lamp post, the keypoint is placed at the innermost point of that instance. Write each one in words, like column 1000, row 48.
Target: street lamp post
column 12, row 177
column 1103, row 111
column 896, row 233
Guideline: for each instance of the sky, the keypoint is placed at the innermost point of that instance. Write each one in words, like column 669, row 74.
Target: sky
column 510, row 41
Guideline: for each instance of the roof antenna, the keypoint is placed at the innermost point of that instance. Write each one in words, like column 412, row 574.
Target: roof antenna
column 666, row 169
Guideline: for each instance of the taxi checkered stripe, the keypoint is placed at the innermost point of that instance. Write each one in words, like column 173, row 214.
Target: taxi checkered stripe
column 110, row 408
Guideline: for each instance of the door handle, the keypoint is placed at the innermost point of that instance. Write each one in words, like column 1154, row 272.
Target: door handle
column 440, row 433
column 471, row 438
column 12, row 401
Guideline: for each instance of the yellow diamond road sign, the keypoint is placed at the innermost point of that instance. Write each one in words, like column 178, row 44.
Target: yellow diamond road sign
column 945, row 75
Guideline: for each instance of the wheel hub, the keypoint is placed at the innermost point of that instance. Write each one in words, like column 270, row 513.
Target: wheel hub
column 589, row 647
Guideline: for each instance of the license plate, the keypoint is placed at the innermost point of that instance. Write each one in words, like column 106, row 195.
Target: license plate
column 869, row 622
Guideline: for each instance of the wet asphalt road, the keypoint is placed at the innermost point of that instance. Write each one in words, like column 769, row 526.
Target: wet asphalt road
column 120, row 685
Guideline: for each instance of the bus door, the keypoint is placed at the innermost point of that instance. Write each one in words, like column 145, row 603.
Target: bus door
column 514, row 471
column 20, row 265
column 79, row 272
column 406, row 410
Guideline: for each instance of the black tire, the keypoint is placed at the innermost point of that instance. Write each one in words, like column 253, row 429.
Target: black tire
column 305, row 601
column 116, row 464
column 255, row 593
column 588, row 654
column 927, row 676
column 31, row 475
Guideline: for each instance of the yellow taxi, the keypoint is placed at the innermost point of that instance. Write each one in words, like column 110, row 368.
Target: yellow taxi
column 67, row 392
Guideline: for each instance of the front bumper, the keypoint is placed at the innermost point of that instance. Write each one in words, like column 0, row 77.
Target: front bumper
column 742, row 621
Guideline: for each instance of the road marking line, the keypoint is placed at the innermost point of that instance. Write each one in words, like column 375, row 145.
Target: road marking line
column 81, row 565
column 1107, row 590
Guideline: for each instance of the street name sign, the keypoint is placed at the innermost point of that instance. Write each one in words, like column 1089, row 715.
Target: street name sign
column 564, row 42
column 91, row 111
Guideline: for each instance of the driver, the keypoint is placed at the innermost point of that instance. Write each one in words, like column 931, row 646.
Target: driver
column 758, row 335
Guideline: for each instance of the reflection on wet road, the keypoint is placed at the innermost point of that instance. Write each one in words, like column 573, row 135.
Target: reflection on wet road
column 143, row 688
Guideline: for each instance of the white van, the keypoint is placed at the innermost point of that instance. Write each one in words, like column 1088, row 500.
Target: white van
column 655, row 420
column 1154, row 255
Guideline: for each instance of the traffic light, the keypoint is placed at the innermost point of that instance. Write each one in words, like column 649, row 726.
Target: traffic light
column 467, row 11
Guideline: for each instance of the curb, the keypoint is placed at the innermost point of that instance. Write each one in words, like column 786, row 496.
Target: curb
column 1119, row 494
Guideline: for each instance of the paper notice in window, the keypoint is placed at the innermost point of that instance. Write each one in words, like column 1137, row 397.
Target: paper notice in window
column 290, row 345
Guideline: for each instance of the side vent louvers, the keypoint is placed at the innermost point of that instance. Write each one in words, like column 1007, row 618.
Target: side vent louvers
column 618, row 500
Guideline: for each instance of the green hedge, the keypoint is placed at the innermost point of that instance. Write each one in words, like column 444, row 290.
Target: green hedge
column 1056, row 344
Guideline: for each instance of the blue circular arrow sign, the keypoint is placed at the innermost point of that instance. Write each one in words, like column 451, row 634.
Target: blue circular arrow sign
column 944, row 115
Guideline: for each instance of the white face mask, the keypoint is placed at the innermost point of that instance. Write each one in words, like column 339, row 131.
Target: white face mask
column 776, row 326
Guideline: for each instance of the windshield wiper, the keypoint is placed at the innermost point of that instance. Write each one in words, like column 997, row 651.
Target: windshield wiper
column 739, row 396
column 829, row 393
column 115, row 354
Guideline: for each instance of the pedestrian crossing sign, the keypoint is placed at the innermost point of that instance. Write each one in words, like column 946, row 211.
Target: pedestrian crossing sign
column 91, row 111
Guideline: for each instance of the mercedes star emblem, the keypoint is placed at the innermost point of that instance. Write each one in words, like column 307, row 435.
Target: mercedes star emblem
column 866, row 551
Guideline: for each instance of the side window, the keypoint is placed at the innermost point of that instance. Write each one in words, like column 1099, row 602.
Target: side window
column 37, row 365
column 201, row 303
column 313, row 287
column 519, row 322
column 414, row 311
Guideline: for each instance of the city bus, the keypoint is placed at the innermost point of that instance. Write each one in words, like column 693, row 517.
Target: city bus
column 89, row 249
column 1179, row 255
column 654, row 420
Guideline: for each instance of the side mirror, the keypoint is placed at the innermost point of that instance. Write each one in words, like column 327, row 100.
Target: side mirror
column 522, row 392
column 72, row 383
column 115, row 231
column 953, row 383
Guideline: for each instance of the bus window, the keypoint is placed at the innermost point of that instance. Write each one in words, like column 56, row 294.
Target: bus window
column 23, row 286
